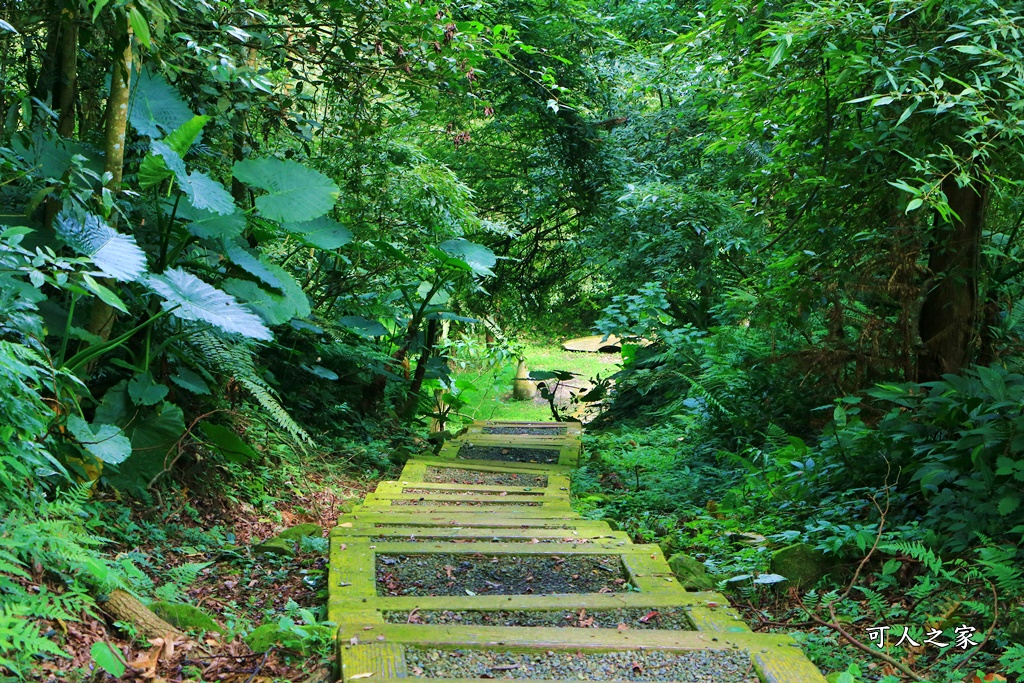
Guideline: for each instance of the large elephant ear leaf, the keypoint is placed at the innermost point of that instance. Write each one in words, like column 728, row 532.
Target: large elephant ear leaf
column 203, row 192
column 479, row 258
column 117, row 255
column 209, row 225
column 156, row 108
column 323, row 232
column 106, row 442
column 189, row 298
column 294, row 193
column 153, row 170
column 250, row 262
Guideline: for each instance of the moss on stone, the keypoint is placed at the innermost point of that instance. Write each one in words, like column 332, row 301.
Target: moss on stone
column 301, row 531
column 800, row 563
column 693, row 575
column 185, row 617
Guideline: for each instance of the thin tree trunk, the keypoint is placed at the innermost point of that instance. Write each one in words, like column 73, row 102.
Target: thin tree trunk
column 67, row 81
column 950, row 310
column 412, row 399
column 101, row 318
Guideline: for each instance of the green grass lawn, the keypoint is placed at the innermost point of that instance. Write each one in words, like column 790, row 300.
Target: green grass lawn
column 492, row 397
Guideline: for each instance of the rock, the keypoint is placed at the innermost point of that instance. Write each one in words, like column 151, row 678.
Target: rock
column 747, row 538
column 800, row 563
column 185, row 617
column 522, row 388
column 275, row 546
column 301, row 531
column 268, row 635
column 284, row 543
column 691, row 573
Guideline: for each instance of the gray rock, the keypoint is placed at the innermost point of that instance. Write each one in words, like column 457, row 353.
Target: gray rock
column 301, row 531
column 284, row 543
column 693, row 575
column 800, row 563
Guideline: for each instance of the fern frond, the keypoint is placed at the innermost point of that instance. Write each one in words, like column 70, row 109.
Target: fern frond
column 236, row 359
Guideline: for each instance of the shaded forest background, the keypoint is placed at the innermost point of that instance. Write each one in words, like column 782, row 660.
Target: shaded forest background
column 241, row 240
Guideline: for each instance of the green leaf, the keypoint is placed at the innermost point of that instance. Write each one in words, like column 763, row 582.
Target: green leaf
column 153, row 169
column 154, row 432
column 362, row 326
column 274, row 309
column 320, row 371
column 107, row 442
column 914, row 204
column 105, row 295
column 156, row 108
column 143, row 391
column 252, row 263
column 229, row 444
column 882, row 101
column 100, row 4
column 105, row 658
column 189, row 380
column 292, row 290
column 203, row 192
column 1008, row 504
column 295, row 193
column 140, row 26
column 1005, row 466
column 209, row 225
column 117, row 255
column 323, row 232
column 969, row 49
column 778, row 54
column 480, row 258
column 189, row 298
column 907, row 113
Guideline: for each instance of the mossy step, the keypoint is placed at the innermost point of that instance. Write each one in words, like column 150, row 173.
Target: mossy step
column 440, row 499
column 775, row 657
column 584, row 532
column 416, row 471
column 353, row 562
column 391, row 490
column 445, row 518
column 414, row 486
column 571, row 428
column 492, row 466
column 562, row 455
column 483, row 511
column 541, row 603
column 520, row 440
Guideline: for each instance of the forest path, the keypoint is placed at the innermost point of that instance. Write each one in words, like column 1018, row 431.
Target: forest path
column 473, row 566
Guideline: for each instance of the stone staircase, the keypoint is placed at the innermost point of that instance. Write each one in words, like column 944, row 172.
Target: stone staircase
column 473, row 566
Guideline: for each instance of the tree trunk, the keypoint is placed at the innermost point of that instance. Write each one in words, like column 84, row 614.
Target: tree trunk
column 101, row 318
column 66, row 85
column 412, row 399
column 950, row 310
column 123, row 606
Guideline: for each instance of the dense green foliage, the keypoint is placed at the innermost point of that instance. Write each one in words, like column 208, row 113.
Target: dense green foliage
column 232, row 231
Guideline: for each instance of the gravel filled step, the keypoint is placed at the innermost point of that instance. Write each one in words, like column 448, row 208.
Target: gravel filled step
column 452, row 475
column 670, row 618
column 700, row 666
column 546, row 456
column 441, row 574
